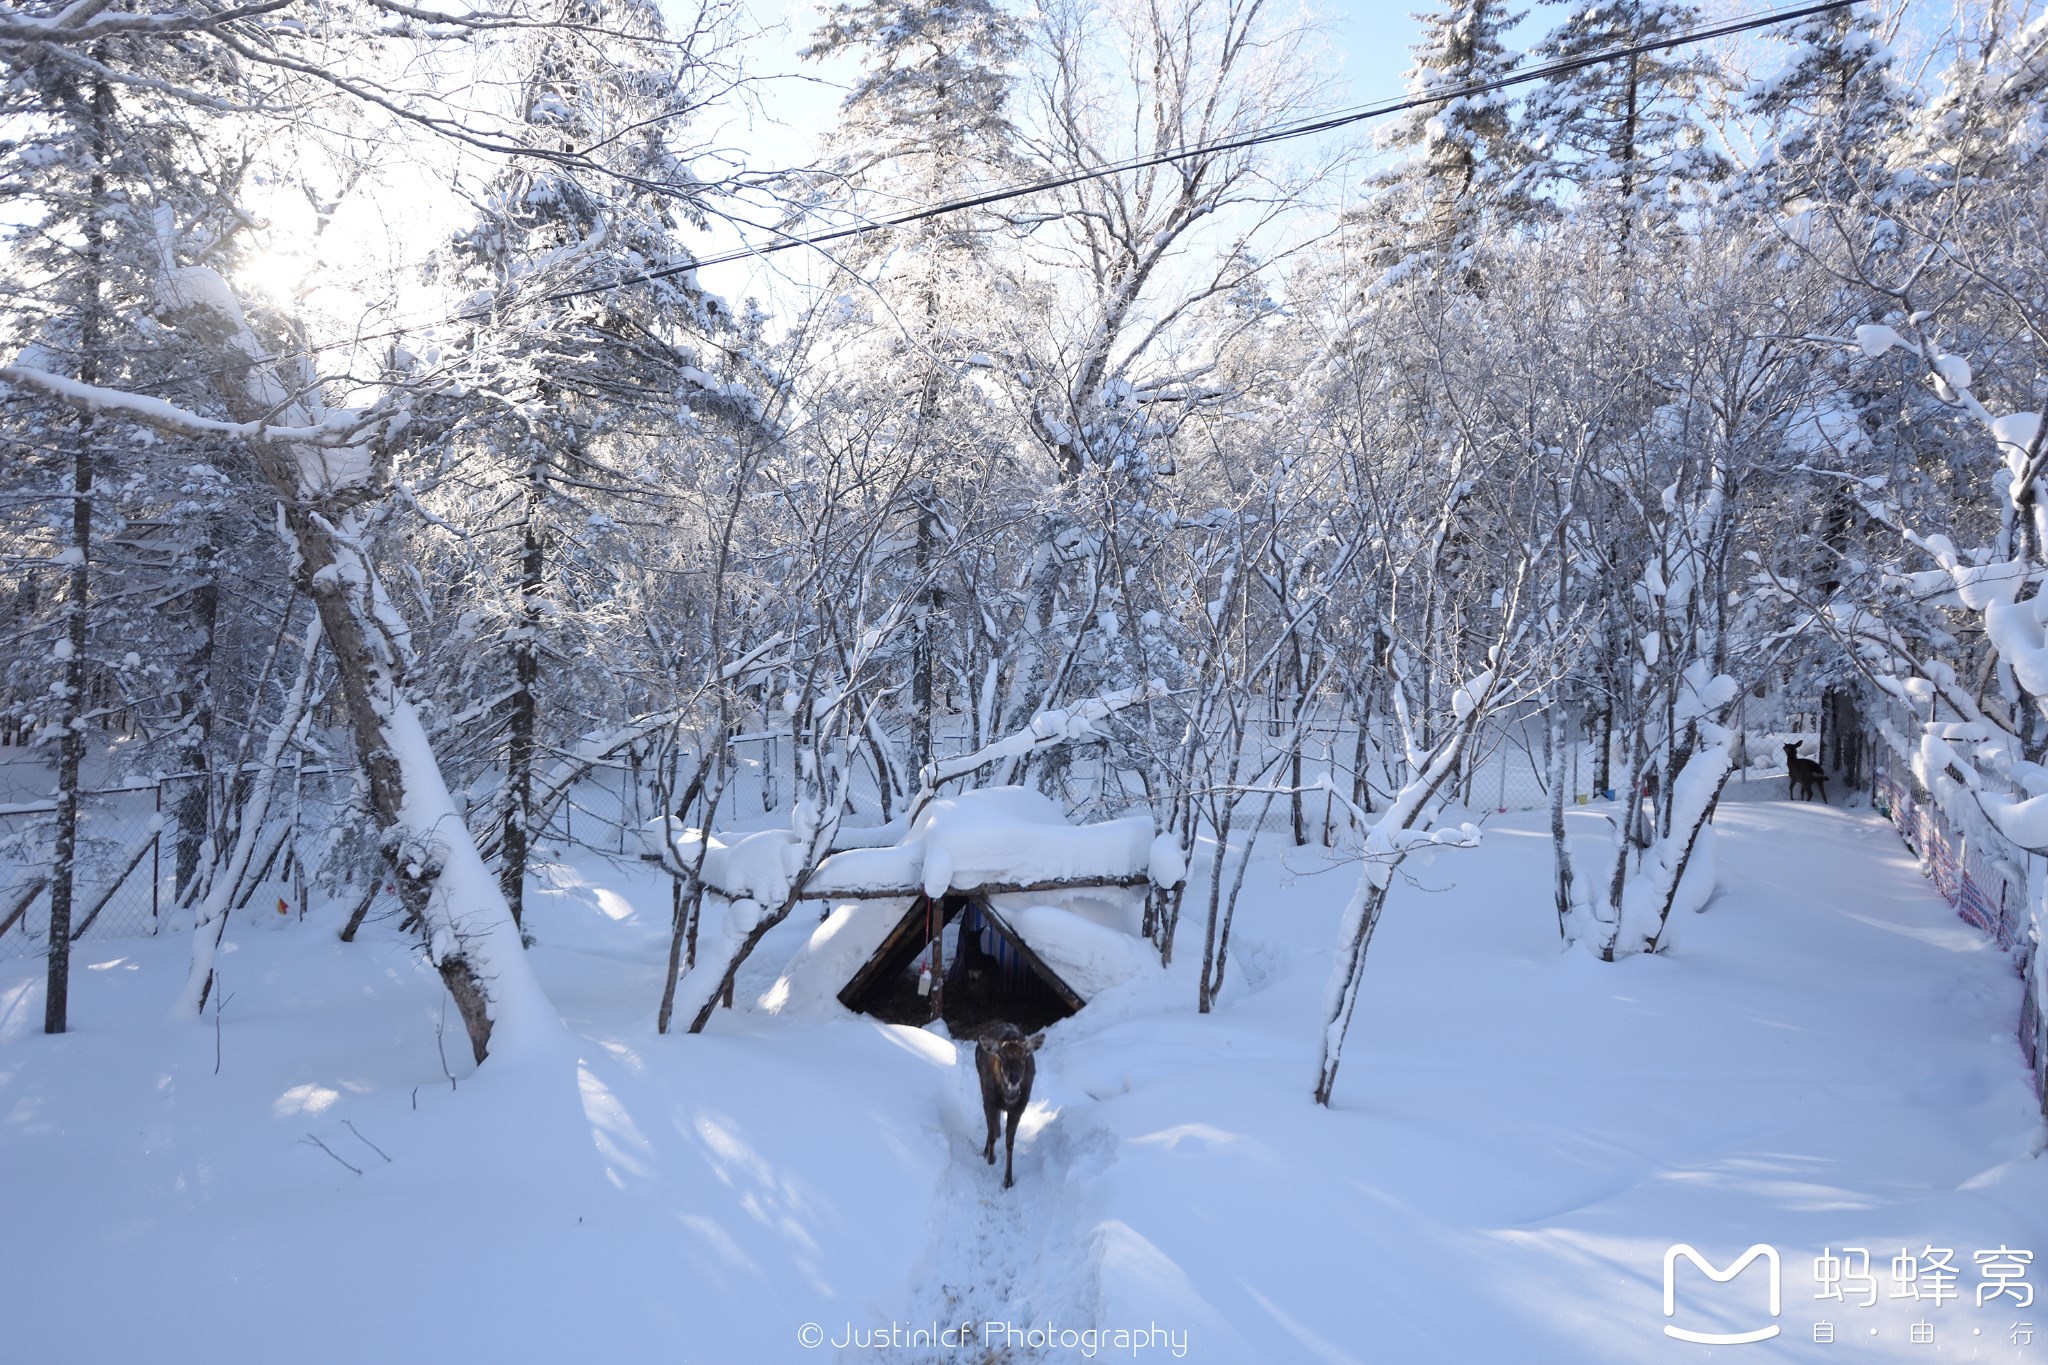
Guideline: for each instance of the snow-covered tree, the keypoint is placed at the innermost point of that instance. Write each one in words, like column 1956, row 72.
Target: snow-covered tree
column 1835, row 106
column 1622, row 141
column 1456, row 179
column 926, row 122
column 593, row 349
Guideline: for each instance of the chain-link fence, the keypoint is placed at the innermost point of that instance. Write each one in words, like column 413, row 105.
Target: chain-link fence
column 125, row 884
column 118, row 890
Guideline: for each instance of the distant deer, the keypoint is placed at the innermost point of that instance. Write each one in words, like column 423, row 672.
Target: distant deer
column 978, row 966
column 1004, row 1061
column 1803, row 774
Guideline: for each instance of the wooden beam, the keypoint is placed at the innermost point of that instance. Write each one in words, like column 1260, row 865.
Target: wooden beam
column 892, row 947
column 880, row 893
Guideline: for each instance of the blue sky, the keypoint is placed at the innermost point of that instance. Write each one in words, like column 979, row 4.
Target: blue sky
column 1370, row 38
column 1369, row 41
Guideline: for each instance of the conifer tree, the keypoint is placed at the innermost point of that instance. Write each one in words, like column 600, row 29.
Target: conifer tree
column 574, row 381
column 1837, row 109
column 1622, row 137
column 925, row 122
column 1459, row 161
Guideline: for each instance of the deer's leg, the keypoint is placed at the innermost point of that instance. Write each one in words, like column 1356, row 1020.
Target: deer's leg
column 1010, row 1149
column 989, row 1112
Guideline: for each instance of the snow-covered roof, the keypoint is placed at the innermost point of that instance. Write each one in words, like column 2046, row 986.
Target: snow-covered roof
column 995, row 838
column 998, row 836
column 998, row 841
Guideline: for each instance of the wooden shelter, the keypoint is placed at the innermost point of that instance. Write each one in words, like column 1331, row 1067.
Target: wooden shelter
column 989, row 905
column 993, row 971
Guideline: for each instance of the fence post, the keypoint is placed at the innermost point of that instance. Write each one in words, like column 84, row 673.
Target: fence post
column 156, row 866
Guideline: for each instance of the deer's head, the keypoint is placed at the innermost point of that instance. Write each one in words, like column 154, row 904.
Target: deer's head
column 1006, row 1062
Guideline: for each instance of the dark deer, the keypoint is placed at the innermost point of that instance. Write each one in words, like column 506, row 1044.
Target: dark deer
column 978, row 966
column 1004, row 1061
column 1803, row 774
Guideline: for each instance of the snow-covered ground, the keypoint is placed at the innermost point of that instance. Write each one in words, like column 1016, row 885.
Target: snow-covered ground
column 1825, row 1061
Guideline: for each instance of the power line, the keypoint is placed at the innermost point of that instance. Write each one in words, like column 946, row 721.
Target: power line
column 1281, row 133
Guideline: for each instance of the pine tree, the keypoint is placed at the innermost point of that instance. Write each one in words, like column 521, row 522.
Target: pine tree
column 1620, row 140
column 571, row 381
column 121, row 178
column 925, row 122
column 1836, row 108
column 1459, row 159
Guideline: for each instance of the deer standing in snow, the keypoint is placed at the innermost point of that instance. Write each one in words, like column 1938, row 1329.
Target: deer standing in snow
column 1803, row 774
column 1003, row 1060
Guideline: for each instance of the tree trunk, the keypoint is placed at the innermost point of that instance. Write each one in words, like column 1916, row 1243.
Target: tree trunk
column 519, row 822
column 71, row 703
column 921, row 658
column 71, row 723
column 1211, row 972
column 1561, row 889
column 470, row 935
column 1298, row 670
column 1371, row 899
column 189, row 805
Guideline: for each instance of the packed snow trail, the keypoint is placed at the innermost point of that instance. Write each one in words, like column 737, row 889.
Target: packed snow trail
column 1024, row 1257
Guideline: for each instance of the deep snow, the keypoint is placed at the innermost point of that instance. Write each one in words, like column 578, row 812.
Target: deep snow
column 1825, row 1060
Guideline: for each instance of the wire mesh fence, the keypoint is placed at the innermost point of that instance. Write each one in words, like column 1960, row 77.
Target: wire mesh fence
column 1990, row 882
column 127, row 883
column 118, row 890
column 1507, row 768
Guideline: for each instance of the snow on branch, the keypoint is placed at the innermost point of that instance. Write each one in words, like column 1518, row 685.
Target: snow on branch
column 1046, row 730
column 88, row 20
column 341, row 429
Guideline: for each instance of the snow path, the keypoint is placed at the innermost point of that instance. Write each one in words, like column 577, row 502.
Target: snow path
column 1022, row 1256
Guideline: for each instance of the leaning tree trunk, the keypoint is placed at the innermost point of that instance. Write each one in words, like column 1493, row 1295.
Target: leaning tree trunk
column 1384, row 853
column 470, row 935
column 1361, row 918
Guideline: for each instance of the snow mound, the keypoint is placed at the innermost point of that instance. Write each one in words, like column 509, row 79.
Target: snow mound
column 1116, row 908
column 849, row 936
column 758, row 867
column 1087, row 956
column 996, row 836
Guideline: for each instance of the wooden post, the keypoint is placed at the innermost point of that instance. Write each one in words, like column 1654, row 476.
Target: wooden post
column 936, row 935
column 156, row 865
